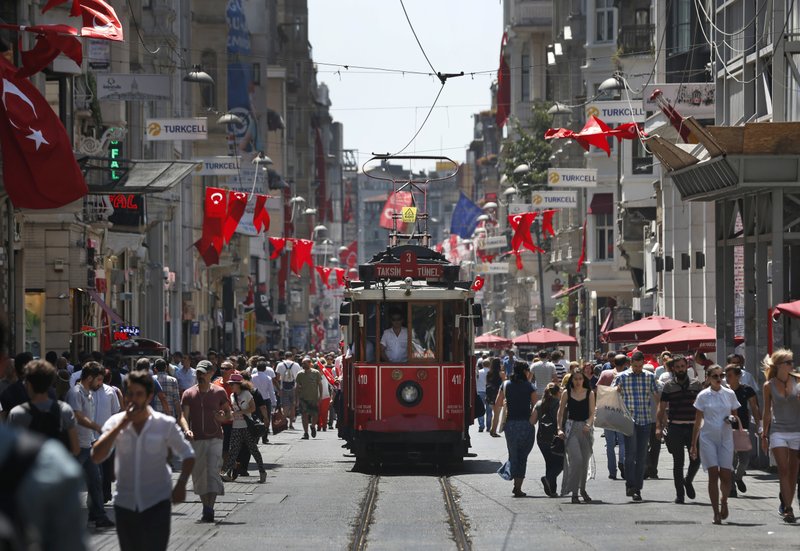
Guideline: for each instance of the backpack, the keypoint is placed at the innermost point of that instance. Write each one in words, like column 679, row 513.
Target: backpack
column 21, row 457
column 47, row 423
column 287, row 385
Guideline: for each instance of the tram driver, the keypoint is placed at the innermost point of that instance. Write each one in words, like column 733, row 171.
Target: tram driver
column 394, row 341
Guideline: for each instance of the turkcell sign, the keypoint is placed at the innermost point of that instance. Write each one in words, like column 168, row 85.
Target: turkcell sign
column 543, row 200
column 572, row 177
column 159, row 130
column 218, row 166
column 617, row 112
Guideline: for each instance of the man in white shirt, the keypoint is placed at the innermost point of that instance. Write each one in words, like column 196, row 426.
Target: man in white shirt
column 143, row 438
column 106, row 405
column 262, row 381
column 480, row 388
column 394, row 341
column 543, row 371
column 286, row 374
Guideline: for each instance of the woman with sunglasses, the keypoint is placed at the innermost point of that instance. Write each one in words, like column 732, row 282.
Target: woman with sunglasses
column 715, row 407
column 782, row 422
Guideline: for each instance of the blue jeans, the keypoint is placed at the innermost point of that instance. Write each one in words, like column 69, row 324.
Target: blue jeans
column 614, row 438
column 636, row 456
column 488, row 406
column 94, row 485
column 520, row 436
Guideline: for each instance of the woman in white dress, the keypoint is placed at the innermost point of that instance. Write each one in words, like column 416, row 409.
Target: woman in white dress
column 715, row 406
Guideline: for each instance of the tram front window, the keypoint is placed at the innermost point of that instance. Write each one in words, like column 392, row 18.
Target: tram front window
column 424, row 323
column 394, row 341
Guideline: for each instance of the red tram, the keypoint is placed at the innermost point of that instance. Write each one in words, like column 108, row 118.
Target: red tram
column 409, row 375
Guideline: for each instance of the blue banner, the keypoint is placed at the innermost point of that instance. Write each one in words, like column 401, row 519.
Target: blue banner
column 240, row 82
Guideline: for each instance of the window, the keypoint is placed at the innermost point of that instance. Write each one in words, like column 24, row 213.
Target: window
column 208, row 92
column 604, row 20
column 682, row 26
column 641, row 160
column 525, row 81
column 424, row 338
column 604, row 236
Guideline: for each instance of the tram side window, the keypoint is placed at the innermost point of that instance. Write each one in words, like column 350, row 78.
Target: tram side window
column 370, row 327
column 424, row 340
column 450, row 344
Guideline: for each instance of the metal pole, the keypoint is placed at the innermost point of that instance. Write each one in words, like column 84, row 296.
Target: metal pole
column 541, row 271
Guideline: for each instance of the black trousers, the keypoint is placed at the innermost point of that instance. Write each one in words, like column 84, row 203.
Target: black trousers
column 146, row 530
column 679, row 441
column 107, row 474
column 653, row 451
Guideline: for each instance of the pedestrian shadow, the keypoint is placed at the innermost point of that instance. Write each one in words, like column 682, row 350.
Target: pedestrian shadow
column 229, row 523
column 745, row 524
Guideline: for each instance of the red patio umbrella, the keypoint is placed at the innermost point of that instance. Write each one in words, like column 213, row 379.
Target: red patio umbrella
column 690, row 337
column 643, row 329
column 544, row 337
column 492, row 341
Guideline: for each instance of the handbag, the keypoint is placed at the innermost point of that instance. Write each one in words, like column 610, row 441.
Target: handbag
column 557, row 446
column 255, row 427
column 741, row 441
column 279, row 422
column 610, row 411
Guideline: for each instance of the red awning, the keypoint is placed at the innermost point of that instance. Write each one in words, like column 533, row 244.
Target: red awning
column 112, row 315
column 643, row 329
column 692, row 337
column 544, row 337
column 602, row 203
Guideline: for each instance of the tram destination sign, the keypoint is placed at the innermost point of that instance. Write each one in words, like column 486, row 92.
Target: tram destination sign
column 416, row 271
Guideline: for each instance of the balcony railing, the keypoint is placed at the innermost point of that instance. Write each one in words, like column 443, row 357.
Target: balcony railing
column 636, row 39
column 532, row 13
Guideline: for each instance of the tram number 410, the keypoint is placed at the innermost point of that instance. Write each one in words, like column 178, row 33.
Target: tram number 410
column 456, row 380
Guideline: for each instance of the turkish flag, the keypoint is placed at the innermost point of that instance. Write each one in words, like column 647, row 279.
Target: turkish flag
column 301, row 254
column 521, row 224
column 595, row 132
column 51, row 40
column 99, row 20
column 477, row 285
column 547, row 222
column 503, row 87
column 583, row 247
column 237, row 202
column 626, row 131
column 518, row 256
column 39, row 167
column 208, row 251
column 349, row 257
column 325, row 370
column 339, row 276
column 278, row 243
column 260, row 215
column 394, row 204
column 324, row 274
column 209, row 246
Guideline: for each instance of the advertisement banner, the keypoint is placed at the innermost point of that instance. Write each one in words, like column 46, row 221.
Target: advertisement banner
column 572, row 177
column 545, row 200
column 492, row 268
column 245, row 136
column 136, row 87
column 616, row 112
column 160, row 130
column 218, row 166
column 690, row 99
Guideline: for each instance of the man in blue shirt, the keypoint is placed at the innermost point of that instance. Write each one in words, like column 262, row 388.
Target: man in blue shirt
column 638, row 388
column 508, row 363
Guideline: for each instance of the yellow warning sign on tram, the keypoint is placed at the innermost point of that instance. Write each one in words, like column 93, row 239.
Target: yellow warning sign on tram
column 409, row 215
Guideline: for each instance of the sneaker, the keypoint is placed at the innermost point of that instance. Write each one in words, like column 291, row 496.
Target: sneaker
column 546, row 485
column 104, row 523
column 612, row 476
column 679, row 500
column 690, row 493
column 637, row 496
column 621, row 467
column 313, row 432
column 304, row 437
column 742, row 486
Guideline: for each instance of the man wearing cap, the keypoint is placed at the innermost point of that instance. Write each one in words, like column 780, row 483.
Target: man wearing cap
column 205, row 406
column 309, row 392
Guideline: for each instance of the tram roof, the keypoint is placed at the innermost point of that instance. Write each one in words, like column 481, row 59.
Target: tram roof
column 398, row 291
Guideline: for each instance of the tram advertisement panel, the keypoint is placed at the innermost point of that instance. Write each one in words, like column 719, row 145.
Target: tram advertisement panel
column 365, row 396
column 453, row 394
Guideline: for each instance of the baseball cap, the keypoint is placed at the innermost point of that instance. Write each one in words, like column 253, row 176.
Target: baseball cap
column 308, row 358
column 204, row 366
column 235, row 378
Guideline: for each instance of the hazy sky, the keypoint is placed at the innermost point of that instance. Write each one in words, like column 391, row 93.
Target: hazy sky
column 381, row 111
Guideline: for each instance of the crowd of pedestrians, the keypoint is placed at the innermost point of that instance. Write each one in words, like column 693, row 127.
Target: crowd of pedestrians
column 133, row 425
column 695, row 406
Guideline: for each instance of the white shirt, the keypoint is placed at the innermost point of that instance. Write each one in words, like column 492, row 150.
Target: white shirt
column 263, row 383
column 396, row 345
column 144, row 477
column 481, row 379
column 288, row 370
column 74, row 378
column 106, row 403
column 82, row 400
column 716, row 406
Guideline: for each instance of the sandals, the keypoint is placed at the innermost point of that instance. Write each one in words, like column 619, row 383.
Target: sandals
column 788, row 515
column 585, row 496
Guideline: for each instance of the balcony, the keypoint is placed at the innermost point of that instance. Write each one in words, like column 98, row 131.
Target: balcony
column 636, row 39
column 532, row 14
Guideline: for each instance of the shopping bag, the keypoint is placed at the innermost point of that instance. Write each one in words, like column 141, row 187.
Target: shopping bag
column 741, row 441
column 505, row 471
column 279, row 422
column 610, row 411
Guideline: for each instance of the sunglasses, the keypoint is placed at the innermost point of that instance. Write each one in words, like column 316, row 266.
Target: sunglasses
column 226, row 369
column 715, row 376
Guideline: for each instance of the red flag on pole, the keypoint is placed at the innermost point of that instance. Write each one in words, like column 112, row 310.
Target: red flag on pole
column 260, row 215
column 395, row 203
column 278, row 243
column 99, row 20
column 547, row 222
column 39, row 168
column 503, row 86
column 237, row 202
column 209, row 246
column 51, row 40
column 477, row 285
column 349, row 256
column 324, row 274
column 301, row 254
column 339, row 276
column 521, row 224
column 583, row 247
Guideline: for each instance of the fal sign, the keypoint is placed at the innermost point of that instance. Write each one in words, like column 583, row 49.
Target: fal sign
column 159, row 130
column 616, row 112
column 572, row 177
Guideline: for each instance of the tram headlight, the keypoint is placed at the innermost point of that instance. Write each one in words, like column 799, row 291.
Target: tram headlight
column 409, row 393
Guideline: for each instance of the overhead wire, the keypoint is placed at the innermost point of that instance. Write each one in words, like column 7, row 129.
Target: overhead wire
column 411, row 26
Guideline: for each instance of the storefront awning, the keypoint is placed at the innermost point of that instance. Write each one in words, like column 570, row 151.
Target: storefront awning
column 602, row 203
column 112, row 315
column 133, row 176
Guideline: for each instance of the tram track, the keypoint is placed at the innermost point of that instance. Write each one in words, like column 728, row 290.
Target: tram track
column 456, row 520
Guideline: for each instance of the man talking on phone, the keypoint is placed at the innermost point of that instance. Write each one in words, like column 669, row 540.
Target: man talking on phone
column 143, row 439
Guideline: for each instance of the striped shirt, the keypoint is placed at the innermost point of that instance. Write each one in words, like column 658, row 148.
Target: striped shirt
column 637, row 393
column 680, row 399
column 170, row 386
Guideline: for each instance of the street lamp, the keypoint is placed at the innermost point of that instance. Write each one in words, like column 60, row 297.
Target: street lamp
column 559, row 109
column 198, row 75
column 612, row 84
